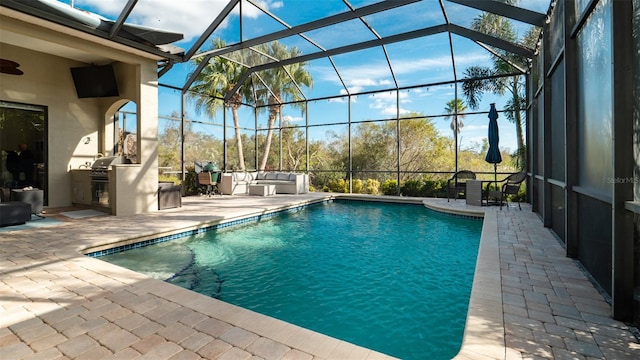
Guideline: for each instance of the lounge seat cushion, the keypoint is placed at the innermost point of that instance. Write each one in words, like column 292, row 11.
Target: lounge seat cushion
column 286, row 183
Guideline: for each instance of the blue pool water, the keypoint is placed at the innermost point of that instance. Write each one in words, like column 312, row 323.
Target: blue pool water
column 389, row 277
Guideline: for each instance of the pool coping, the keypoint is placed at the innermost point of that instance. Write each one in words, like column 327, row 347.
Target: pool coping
column 57, row 302
column 484, row 327
column 307, row 341
column 148, row 239
column 84, row 292
column 484, row 333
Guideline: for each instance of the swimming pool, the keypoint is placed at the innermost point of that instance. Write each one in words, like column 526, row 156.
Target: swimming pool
column 393, row 278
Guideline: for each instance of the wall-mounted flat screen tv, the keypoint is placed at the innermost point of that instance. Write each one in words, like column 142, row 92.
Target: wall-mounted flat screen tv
column 95, row 81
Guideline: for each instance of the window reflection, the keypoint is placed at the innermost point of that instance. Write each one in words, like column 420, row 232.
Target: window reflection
column 595, row 101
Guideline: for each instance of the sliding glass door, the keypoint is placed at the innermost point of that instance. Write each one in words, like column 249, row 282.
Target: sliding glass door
column 23, row 147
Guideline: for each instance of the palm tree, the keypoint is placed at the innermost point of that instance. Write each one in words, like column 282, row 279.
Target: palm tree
column 280, row 84
column 217, row 78
column 480, row 78
column 455, row 110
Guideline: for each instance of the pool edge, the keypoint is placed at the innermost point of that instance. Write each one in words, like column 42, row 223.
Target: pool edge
column 484, row 328
column 483, row 336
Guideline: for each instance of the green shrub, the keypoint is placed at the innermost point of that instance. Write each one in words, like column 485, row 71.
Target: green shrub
column 338, row 186
column 435, row 188
column 169, row 178
column 390, row 187
column 411, row 188
column 424, row 188
column 321, row 180
column 190, row 186
column 356, row 186
column 373, row 187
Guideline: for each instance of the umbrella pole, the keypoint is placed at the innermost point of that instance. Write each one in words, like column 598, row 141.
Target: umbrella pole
column 495, row 177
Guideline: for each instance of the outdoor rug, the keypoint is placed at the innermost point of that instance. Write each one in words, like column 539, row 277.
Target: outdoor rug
column 35, row 222
column 81, row 214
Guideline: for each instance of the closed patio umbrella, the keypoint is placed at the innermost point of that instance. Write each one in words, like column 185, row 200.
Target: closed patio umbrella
column 493, row 154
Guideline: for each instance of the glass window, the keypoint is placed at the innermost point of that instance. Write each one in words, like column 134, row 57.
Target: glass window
column 557, row 123
column 595, row 101
column 636, row 105
column 556, row 33
column 23, row 146
column 580, row 5
column 539, row 69
column 538, row 147
column 126, row 137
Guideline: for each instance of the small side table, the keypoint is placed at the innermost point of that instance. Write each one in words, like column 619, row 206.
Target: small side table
column 474, row 192
column 262, row 189
column 33, row 197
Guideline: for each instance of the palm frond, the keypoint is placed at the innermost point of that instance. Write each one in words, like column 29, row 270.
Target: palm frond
column 476, row 82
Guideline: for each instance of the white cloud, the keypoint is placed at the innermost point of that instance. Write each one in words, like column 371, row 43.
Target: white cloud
column 290, row 119
column 378, row 104
column 412, row 66
column 360, row 83
column 344, row 99
column 363, row 77
column 392, row 111
column 474, row 127
column 190, row 17
column 386, row 102
column 421, row 92
column 388, row 96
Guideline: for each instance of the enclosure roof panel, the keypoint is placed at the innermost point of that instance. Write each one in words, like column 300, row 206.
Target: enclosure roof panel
column 345, row 46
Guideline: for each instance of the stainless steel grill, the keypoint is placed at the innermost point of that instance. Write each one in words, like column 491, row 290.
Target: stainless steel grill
column 100, row 167
column 100, row 179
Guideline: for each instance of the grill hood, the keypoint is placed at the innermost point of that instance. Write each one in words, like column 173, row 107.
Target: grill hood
column 104, row 163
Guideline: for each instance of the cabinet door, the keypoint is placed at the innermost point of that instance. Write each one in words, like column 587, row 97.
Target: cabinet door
column 81, row 187
column 77, row 194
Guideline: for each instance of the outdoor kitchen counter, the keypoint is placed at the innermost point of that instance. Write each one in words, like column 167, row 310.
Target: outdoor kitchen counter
column 81, row 186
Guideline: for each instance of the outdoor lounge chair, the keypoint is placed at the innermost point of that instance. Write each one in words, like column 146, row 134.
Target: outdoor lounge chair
column 210, row 180
column 458, row 183
column 510, row 186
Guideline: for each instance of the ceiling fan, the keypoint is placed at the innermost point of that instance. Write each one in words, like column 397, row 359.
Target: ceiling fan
column 10, row 67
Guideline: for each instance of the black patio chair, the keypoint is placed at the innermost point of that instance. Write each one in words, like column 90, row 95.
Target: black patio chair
column 457, row 184
column 510, row 186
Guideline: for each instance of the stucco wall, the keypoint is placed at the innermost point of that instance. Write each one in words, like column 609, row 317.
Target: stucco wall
column 47, row 82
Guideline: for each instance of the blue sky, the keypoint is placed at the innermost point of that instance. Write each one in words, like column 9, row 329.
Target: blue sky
column 414, row 62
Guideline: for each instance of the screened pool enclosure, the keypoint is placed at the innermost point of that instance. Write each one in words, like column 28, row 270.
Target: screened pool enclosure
column 347, row 93
column 386, row 97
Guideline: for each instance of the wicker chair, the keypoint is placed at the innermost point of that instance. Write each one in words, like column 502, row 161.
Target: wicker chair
column 458, row 183
column 510, row 186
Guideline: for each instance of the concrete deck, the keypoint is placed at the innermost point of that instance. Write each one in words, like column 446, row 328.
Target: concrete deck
column 528, row 300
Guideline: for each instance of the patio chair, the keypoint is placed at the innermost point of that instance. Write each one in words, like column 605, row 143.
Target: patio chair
column 510, row 186
column 210, row 180
column 458, row 183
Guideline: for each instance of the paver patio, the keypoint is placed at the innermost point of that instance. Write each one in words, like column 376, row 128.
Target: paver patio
column 528, row 302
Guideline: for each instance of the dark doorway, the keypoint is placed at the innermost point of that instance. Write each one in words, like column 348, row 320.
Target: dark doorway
column 23, row 147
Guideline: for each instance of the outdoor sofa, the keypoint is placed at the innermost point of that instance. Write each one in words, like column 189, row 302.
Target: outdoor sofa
column 286, row 183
